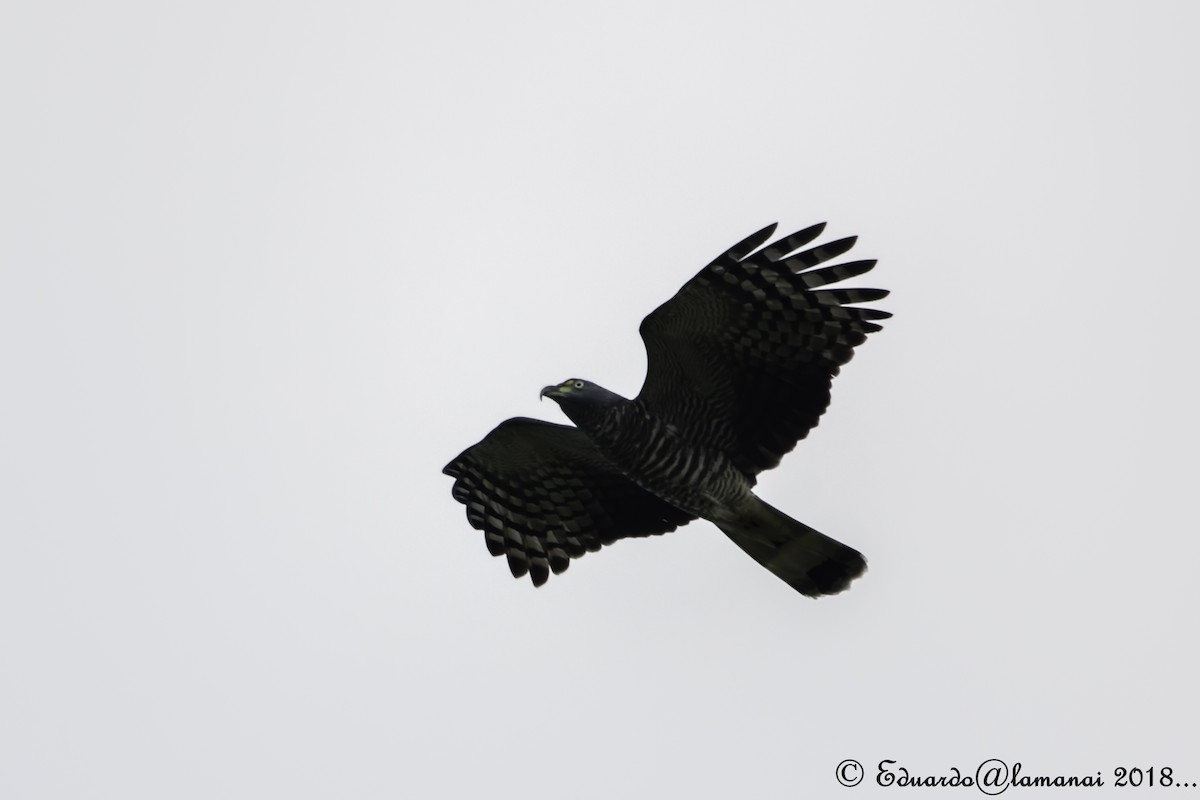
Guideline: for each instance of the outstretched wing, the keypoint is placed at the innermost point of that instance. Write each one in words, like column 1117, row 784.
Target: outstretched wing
column 542, row 494
column 742, row 357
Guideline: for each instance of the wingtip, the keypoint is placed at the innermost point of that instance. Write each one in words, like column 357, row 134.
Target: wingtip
column 811, row 232
column 762, row 236
column 518, row 564
column 744, row 247
column 837, row 247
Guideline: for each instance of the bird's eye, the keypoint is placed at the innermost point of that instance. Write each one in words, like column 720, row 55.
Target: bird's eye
column 578, row 384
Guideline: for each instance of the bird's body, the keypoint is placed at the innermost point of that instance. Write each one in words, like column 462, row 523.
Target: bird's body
column 740, row 366
column 656, row 456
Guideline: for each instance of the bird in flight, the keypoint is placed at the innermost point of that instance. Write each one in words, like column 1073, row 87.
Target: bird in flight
column 739, row 367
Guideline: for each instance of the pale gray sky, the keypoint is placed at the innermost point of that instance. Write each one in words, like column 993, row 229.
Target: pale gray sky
column 267, row 267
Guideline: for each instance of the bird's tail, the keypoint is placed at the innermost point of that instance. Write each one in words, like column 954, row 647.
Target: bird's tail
column 806, row 559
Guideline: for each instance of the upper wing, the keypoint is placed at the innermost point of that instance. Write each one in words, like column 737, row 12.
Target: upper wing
column 542, row 494
column 742, row 357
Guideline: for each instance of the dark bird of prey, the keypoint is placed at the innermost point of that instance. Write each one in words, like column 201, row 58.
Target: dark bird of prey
column 740, row 363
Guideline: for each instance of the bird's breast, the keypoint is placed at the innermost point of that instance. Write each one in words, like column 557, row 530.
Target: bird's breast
column 656, row 456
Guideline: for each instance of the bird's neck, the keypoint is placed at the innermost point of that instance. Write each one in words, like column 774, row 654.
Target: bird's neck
column 611, row 426
column 592, row 418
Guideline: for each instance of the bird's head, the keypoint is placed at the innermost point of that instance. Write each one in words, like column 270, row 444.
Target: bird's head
column 582, row 401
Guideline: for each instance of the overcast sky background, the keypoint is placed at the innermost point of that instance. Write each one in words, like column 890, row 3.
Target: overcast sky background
column 267, row 267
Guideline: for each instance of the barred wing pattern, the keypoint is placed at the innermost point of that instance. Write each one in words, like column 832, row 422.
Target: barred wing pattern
column 742, row 357
column 542, row 495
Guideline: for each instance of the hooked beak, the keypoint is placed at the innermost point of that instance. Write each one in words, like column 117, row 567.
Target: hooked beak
column 549, row 391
